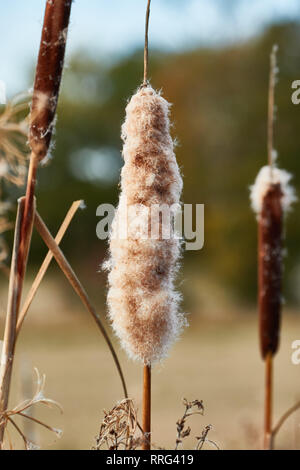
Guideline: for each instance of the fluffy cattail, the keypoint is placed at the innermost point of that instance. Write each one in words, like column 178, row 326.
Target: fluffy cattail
column 48, row 75
column 271, row 197
column 143, row 304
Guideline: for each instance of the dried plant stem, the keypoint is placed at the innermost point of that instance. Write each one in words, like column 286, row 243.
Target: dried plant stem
column 146, row 413
column 146, row 54
column 271, row 92
column 44, row 101
column 39, row 277
column 18, row 267
column 268, row 401
column 80, row 291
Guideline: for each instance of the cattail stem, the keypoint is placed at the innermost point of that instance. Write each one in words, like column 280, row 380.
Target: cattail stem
column 146, row 48
column 271, row 92
column 14, row 296
column 268, row 401
column 269, row 289
column 146, row 413
column 44, row 102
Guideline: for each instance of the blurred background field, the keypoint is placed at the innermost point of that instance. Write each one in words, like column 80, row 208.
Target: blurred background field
column 212, row 63
column 216, row 361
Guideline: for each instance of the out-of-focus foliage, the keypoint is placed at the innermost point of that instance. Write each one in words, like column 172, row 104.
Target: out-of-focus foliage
column 219, row 111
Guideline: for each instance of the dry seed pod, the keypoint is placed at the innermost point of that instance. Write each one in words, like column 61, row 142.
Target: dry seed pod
column 271, row 197
column 48, row 75
column 143, row 304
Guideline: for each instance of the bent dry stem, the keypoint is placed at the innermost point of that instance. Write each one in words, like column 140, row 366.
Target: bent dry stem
column 78, row 288
column 40, row 275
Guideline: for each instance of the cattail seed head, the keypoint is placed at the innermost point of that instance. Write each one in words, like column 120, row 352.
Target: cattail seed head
column 270, row 269
column 271, row 197
column 143, row 304
column 48, row 75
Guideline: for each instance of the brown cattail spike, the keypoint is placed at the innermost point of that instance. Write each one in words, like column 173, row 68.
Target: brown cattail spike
column 270, row 269
column 48, row 75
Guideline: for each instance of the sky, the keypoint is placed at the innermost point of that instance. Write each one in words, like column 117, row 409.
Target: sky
column 109, row 29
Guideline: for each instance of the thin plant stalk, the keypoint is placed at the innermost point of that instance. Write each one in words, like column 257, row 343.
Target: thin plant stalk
column 271, row 104
column 14, row 297
column 270, row 264
column 268, row 401
column 146, row 422
column 146, row 48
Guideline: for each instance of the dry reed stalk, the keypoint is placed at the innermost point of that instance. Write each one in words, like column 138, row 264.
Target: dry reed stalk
column 146, row 47
column 14, row 293
column 45, row 96
column 46, row 89
column 271, row 197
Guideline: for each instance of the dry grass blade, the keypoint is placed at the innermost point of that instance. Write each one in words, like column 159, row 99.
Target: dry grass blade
column 39, row 277
column 78, row 288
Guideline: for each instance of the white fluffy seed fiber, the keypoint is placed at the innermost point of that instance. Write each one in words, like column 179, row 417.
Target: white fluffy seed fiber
column 143, row 304
column 265, row 178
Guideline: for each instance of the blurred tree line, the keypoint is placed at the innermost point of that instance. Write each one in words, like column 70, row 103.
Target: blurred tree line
column 220, row 115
